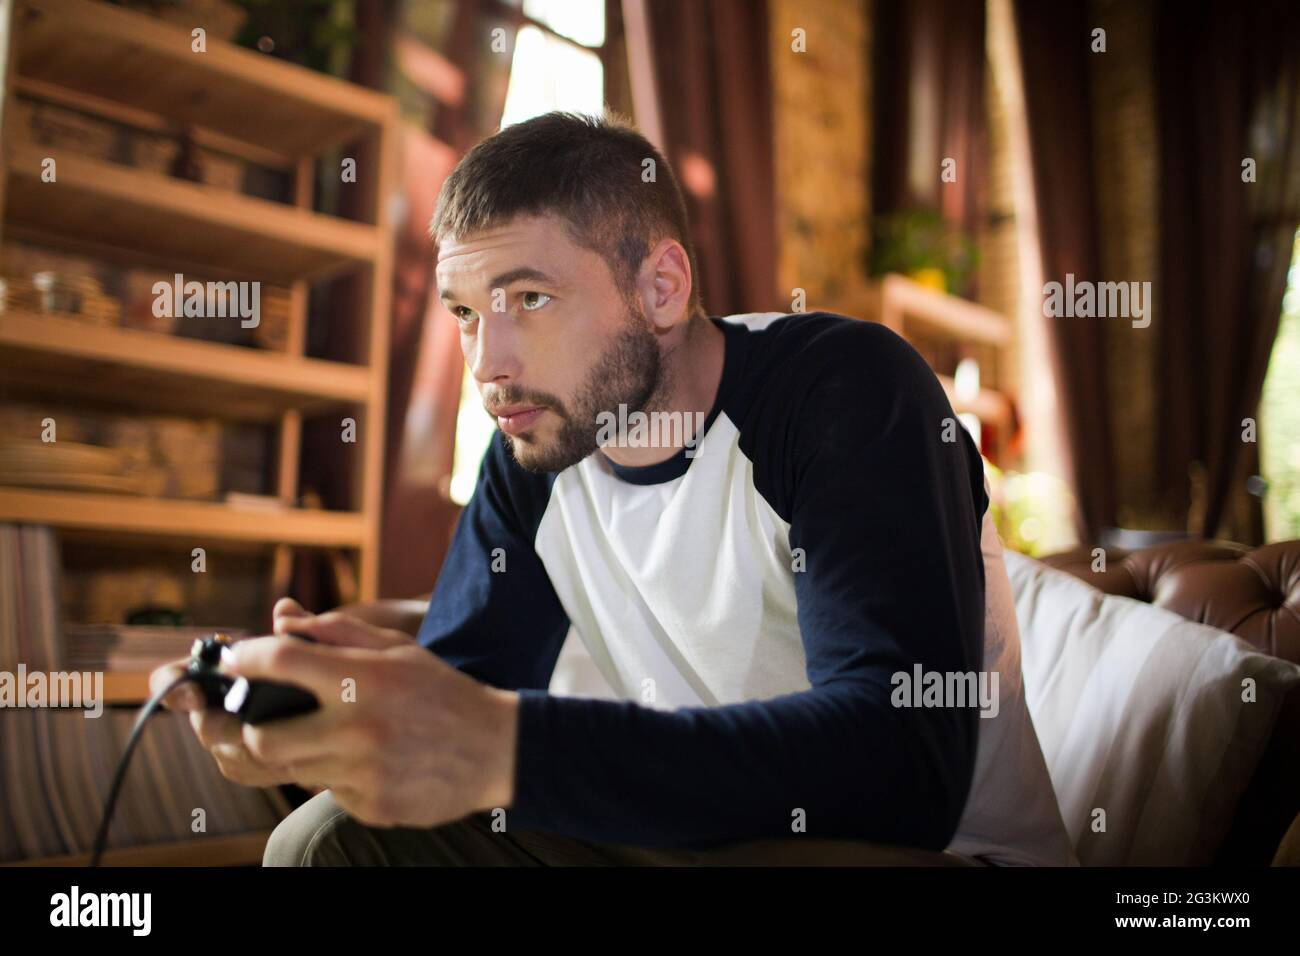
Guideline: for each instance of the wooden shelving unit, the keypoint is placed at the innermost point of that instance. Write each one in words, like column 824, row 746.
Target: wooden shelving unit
column 129, row 68
column 125, row 64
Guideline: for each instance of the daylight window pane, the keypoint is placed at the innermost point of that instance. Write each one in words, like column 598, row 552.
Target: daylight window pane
column 1279, row 416
column 474, row 428
column 550, row 74
column 580, row 20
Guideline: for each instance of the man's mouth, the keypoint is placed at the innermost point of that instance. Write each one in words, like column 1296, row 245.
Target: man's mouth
column 517, row 419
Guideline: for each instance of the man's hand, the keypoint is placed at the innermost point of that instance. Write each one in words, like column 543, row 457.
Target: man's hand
column 220, row 733
column 401, row 739
column 436, row 744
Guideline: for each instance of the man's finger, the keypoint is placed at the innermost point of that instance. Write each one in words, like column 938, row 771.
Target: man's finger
column 235, row 765
column 307, row 737
column 183, row 698
column 215, row 727
column 341, row 630
column 186, row 698
column 282, row 626
column 315, row 667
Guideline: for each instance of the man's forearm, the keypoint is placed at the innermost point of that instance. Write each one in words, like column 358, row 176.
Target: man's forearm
column 840, row 757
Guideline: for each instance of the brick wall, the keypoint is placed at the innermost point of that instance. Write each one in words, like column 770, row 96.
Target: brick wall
column 821, row 116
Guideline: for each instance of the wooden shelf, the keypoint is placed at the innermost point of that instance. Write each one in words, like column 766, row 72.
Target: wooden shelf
column 161, row 217
column 138, row 60
column 244, row 849
column 126, row 687
column 990, row 406
column 131, row 518
column 149, row 369
column 902, row 298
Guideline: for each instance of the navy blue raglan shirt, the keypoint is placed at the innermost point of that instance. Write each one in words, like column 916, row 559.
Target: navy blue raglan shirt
column 746, row 604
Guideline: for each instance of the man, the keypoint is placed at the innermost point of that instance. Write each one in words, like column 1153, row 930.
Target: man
column 767, row 584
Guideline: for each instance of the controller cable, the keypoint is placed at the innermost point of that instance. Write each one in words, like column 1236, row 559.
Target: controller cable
column 147, row 711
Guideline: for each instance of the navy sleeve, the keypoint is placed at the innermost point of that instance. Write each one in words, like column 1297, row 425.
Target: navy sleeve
column 504, row 629
column 850, row 448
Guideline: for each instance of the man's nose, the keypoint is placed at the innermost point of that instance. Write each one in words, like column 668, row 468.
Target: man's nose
column 496, row 355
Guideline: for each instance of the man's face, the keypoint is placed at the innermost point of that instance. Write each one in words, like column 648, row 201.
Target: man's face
column 549, row 337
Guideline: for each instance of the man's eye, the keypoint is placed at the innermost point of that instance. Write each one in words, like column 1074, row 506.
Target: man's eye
column 463, row 313
column 530, row 302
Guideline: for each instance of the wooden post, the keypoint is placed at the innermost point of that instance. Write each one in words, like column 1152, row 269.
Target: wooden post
column 379, row 290
column 291, row 421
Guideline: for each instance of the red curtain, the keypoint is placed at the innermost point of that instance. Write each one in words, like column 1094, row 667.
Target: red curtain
column 1053, row 41
column 714, row 87
column 1228, row 82
column 928, row 100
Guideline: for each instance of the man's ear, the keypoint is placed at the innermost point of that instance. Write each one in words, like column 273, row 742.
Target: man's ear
column 665, row 284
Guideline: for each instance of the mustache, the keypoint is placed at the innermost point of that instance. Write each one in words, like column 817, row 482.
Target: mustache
column 506, row 397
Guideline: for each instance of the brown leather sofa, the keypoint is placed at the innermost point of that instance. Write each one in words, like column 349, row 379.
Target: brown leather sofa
column 1255, row 594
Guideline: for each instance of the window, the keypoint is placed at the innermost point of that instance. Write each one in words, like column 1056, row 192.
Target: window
column 1280, row 417
column 556, row 66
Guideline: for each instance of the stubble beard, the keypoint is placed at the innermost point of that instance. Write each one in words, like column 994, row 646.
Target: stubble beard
column 630, row 372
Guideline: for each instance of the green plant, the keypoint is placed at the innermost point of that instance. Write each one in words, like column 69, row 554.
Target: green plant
column 318, row 34
column 922, row 239
column 1033, row 512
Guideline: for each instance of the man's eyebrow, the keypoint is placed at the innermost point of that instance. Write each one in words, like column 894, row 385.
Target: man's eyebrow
column 505, row 279
column 516, row 275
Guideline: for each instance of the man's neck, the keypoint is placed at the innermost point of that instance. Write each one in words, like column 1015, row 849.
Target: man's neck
column 693, row 374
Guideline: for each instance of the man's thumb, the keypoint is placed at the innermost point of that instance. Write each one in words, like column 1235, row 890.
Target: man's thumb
column 287, row 607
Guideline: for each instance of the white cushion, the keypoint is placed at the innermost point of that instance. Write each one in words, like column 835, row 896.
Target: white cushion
column 1141, row 717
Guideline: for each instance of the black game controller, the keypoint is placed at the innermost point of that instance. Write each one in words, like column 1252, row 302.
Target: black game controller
column 252, row 701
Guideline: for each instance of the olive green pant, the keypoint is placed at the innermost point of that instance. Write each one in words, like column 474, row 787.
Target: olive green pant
column 320, row 833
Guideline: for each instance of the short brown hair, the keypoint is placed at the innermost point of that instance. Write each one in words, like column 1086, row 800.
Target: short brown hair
column 590, row 171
